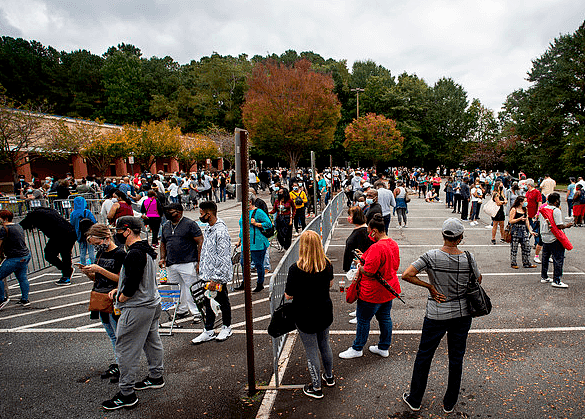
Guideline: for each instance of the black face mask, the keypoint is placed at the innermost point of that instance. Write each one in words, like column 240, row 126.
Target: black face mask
column 121, row 238
column 204, row 218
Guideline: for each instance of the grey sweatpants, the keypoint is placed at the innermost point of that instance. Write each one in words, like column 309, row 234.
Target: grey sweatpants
column 318, row 344
column 137, row 331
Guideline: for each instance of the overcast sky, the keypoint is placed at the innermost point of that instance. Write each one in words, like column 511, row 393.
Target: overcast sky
column 486, row 46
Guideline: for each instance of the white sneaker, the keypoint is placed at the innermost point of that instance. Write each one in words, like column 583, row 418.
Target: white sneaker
column 489, row 227
column 537, row 259
column 545, row 280
column 351, row 353
column 353, row 313
column 383, row 353
column 560, row 284
column 224, row 333
column 206, row 336
column 353, row 321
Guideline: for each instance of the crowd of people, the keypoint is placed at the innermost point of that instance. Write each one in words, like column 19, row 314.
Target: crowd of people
column 115, row 255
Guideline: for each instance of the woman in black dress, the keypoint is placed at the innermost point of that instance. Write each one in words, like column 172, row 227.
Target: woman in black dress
column 498, row 220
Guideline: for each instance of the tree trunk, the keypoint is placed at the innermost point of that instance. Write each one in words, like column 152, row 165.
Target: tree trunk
column 293, row 159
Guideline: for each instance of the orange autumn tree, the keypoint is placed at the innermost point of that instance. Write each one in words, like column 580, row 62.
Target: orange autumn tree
column 374, row 138
column 289, row 111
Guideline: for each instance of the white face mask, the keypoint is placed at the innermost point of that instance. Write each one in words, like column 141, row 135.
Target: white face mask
column 361, row 204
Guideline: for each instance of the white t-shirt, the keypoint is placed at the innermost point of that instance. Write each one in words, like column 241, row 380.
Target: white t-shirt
column 545, row 231
column 477, row 191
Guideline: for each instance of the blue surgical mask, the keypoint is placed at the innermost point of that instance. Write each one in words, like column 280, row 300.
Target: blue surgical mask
column 369, row 201
column 524, row 204
column 276, row 188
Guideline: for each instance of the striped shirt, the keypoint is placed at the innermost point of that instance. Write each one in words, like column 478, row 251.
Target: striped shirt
column 449, row 274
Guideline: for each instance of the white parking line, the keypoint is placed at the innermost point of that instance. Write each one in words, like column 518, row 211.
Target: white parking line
column 31, row 312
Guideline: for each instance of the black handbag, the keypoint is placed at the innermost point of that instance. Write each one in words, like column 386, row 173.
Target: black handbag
column 282, row 321
column 478, row 301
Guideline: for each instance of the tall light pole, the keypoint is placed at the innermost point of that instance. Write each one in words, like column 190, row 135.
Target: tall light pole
column 358, row 90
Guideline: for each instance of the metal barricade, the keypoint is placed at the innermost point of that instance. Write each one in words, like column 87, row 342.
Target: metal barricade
column 321, row 224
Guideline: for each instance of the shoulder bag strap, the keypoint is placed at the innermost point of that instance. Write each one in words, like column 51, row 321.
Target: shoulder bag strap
column 471, row 271
column 254, row 216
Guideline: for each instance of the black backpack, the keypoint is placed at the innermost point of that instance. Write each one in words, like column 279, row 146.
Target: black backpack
column 84, row 225
column 268, row 233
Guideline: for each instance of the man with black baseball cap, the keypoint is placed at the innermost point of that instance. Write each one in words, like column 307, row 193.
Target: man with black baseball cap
column 138, row 300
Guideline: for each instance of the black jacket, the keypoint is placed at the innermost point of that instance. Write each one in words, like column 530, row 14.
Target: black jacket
column 51, row 223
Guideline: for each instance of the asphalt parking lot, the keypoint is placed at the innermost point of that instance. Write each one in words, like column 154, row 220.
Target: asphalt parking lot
column 526, row 359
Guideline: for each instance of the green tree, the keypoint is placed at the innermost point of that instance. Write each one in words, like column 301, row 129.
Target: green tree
column 549, row 116
column 407, row 102
column 447, row 122
column 122, row 77
column 290, row 110
column 374, row 138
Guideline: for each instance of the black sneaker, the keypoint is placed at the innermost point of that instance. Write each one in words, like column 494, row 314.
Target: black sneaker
column 329, row 382
column 149, row 383
column 240, row 287
column 119, row 401
column 182, row 315
column 258, row 288
column 113, row 371
column 405, row 397
column 23, row 303
column 311, row 392
column 63, row 281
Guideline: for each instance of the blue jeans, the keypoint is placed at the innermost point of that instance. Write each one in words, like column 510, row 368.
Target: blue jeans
column 432, row 333
column 535, row 226
column 257, row 257
column 475, row 206
column 19, row 266
column 86, row 251
column 110, row 329
column 570, row 207
column 557, row 251
column 387, row 219
column 365, row 312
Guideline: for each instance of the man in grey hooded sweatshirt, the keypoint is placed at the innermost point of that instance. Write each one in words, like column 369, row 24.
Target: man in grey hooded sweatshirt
column 138, row 300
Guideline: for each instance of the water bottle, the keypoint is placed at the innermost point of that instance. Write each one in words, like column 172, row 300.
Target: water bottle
column 162, row 276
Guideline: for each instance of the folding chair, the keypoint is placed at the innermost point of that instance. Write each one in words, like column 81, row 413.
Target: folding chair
column 170, row 299
column 236, row 256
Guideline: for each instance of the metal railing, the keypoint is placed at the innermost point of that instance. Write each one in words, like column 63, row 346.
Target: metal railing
column 321, row 224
